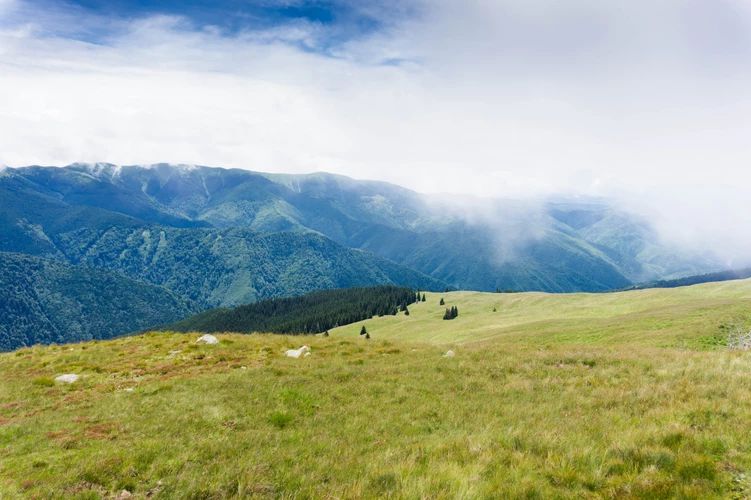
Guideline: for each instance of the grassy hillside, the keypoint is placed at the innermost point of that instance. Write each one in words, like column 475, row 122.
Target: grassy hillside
column 689, row 316
column 576, row 396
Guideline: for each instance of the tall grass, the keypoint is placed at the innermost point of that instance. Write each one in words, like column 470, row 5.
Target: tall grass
column 160, row 416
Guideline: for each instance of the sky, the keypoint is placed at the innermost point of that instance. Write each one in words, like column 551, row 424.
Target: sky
column 646, row 102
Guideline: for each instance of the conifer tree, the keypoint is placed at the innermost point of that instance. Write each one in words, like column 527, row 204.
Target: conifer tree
column 363, row 330
column 443, row 302
column 406, row 311
column 423, row 297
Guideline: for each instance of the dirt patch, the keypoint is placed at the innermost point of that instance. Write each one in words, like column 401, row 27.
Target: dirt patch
column 103, row 431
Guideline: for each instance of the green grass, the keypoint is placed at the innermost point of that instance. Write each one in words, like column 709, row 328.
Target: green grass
column 575, row 396
column 687, row 317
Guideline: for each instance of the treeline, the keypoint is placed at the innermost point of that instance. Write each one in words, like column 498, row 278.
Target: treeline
column 312, row 313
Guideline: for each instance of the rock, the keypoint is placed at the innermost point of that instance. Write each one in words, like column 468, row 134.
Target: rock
column 67, row 378
column 123, row 494
column 449, row 354
column 207, row 339
column 297, row 353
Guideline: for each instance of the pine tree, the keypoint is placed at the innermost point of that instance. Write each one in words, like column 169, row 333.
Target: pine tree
column 406, row 311
column 363, row 330
column 443, row 302
column 451, row 312
column 423, row 297
column 367, row 336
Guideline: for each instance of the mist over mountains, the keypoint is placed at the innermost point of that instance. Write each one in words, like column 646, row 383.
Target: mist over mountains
column 220, row 237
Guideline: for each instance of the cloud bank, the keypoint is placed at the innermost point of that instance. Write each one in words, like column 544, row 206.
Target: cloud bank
column 646, row 102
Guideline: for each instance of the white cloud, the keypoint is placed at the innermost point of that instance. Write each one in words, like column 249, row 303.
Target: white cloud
column 645, row 101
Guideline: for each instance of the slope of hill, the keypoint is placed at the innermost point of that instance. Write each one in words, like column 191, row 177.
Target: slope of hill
column 311, row 313
column 739, row 274
column 556, row 246
column 45, row 301
column 80, row 216
column 656, row 317
column 226, row 267
column 660, row 406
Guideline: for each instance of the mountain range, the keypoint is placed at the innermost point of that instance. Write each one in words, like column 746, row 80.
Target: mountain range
column 211, row 237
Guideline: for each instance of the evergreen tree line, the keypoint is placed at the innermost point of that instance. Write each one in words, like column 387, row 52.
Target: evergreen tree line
column 312, row 313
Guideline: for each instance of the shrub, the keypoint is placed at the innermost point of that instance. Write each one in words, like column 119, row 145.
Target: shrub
column 280, row 420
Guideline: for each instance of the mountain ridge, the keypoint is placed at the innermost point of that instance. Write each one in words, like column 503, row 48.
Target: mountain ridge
column 402, row 225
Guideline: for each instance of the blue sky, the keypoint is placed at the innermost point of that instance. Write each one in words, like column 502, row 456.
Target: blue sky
column 647, row 102
column 337, row 21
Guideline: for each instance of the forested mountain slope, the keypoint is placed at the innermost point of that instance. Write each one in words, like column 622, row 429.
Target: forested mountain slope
column 479, row 244
column 81, row 221
column 45, row 301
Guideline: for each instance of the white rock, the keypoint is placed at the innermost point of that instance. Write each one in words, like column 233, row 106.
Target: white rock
column 207, row 339
column 449, row 354
column 67, row 378
column 296, row 353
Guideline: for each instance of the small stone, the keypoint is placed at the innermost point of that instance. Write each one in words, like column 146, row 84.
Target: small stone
column 449, row 354
column 207, row 339
column 67, row 378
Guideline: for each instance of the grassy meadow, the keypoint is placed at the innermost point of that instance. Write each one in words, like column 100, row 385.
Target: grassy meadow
column 695, row 317
column 626, row 395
